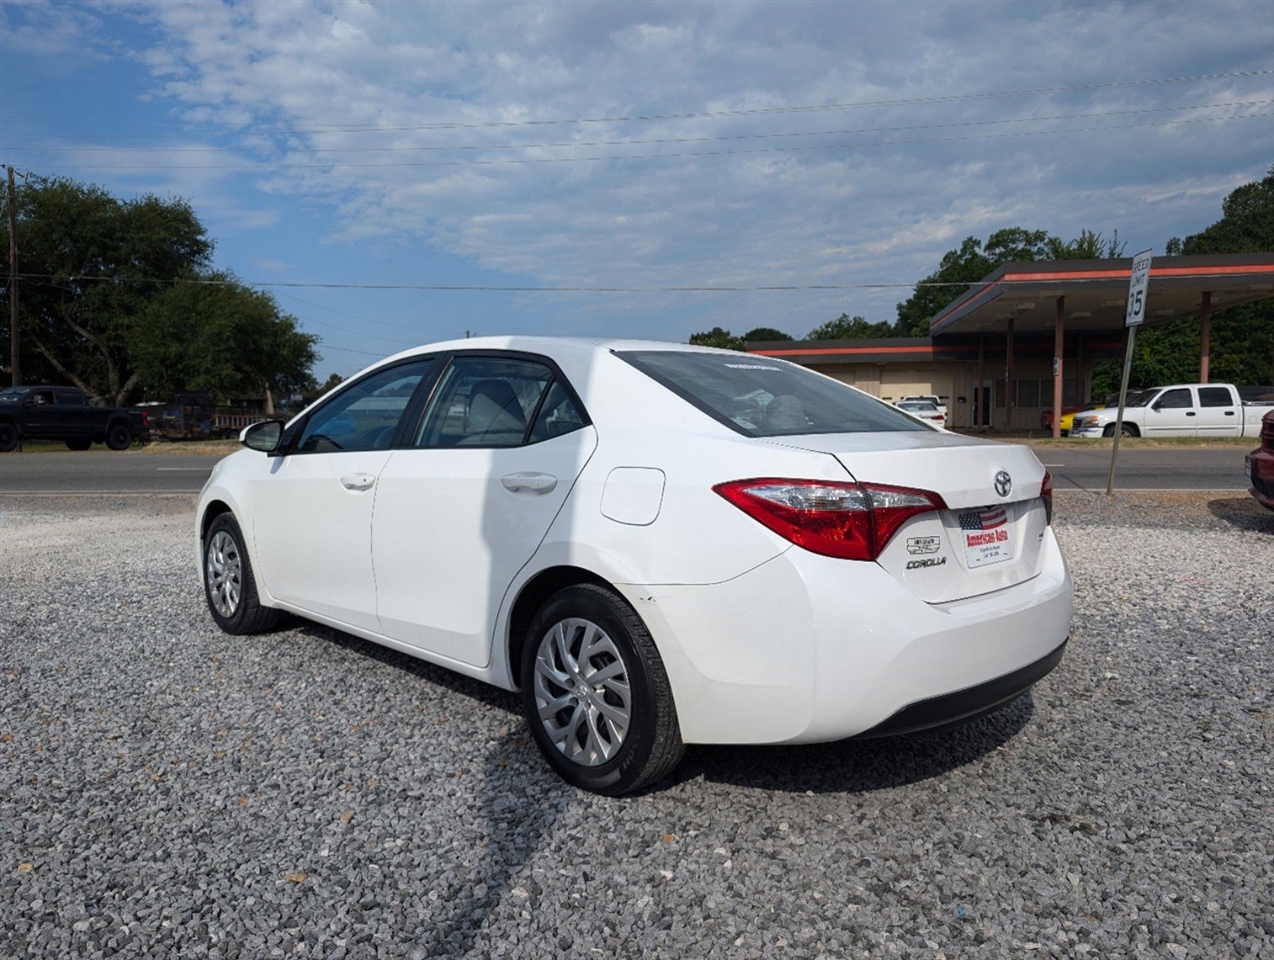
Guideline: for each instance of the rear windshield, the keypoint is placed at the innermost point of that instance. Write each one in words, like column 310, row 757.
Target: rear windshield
column 760, row 397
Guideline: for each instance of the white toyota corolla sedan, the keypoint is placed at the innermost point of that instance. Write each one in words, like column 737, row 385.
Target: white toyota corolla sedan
column 657, row 544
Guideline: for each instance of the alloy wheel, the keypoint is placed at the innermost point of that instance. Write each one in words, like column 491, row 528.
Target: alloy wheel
column 582, row 694
column 225, row 573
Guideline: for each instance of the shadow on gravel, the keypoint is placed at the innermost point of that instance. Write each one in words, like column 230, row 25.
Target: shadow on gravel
column 517, row 804
column 466, row 686
column 1243, row 512
column 857, row 766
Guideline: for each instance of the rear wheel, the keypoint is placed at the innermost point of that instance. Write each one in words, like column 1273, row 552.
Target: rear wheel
column 80, row 443
column 9, row 437
column 119, row 436
column 595, row 693
column 228, row 583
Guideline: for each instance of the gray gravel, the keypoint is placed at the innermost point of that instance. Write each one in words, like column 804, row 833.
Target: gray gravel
column 166, row 790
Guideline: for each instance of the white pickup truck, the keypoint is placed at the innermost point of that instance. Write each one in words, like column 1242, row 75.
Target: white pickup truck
column 1180, row 410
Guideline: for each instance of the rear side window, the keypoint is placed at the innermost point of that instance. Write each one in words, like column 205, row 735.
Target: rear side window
column 1215, row 397
column 486, row 401
column 759, row 397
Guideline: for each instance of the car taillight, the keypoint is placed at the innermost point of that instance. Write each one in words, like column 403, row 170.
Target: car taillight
column 852, row 521
column 1046, row 494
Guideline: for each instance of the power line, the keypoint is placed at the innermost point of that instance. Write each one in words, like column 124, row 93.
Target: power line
column 708, row 139
column 288, row 165
column 494, row 288
column 717, row 114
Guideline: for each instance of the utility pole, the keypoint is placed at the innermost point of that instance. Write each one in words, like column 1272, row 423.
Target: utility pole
column 13, row 284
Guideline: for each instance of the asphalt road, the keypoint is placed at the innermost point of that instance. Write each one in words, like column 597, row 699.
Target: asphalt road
column 102, row 471
column 1156, row 468
column 1082, row 468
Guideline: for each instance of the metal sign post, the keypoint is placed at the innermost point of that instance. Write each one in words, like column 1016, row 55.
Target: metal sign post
column 1138, row 286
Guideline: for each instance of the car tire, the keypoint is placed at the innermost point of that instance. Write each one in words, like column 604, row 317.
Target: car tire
column 119, row 436
column 228, row 583
column 612, row 735
column 82, row 443
column 9, row 437
column 1127, row 430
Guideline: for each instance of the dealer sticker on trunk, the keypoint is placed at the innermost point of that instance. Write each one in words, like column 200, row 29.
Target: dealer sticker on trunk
column 986, row 537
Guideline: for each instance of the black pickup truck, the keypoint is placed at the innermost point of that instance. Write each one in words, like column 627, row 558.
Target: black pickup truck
column 64, row 413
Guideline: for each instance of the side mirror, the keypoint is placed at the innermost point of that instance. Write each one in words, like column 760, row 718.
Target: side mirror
column 263, row 436
column 1157, row 406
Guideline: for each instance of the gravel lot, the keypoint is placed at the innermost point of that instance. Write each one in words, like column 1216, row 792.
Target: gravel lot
column 166, row 790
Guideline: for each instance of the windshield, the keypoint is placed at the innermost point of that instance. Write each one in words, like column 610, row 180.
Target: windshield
column 11, row 394
column 760, row 397
column 1141, row 398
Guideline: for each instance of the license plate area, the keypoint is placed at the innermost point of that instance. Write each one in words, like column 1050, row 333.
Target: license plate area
column 987, row 536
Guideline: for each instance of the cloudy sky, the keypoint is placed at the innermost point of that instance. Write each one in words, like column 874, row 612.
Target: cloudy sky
column 397, row 173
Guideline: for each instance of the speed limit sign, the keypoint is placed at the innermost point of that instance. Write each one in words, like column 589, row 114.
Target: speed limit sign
column 1137, row 288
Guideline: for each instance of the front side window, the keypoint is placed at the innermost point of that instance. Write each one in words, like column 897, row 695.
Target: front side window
column 487, row 402
column 1174, row 400
column 759, row 397
column 364, row 416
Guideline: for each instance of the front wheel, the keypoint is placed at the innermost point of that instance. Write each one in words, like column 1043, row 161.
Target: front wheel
column 229, row 586
column 595, row 693
column 1127, row 430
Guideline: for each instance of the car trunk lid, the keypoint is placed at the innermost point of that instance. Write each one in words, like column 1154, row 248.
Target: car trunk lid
column 991, row 535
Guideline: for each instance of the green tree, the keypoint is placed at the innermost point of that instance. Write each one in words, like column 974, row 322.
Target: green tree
column 1242, row 342
column 1246, row 224
column 763, row 334
column 846, row 327
column 223, row 338
column 118, row 297
column 718, row 337
column 973, row 260
column 89, row 263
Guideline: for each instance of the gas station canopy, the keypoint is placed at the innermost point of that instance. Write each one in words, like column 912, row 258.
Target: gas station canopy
column 1096, row 292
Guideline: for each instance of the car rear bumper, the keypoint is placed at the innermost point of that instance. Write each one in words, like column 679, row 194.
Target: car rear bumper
column 808, row 649
column 955, row 708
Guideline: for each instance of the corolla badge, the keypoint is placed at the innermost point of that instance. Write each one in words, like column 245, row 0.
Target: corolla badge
column 1003, row 483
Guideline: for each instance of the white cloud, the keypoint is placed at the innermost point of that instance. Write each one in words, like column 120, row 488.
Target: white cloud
column 348, row 105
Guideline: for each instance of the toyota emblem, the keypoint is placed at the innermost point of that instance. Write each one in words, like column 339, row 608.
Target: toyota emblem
column 1003, row 483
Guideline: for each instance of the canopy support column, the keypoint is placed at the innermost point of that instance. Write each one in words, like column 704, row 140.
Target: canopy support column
column 1205, row 335
column 980, row 416
column 1008, row 378
column 1059, row 341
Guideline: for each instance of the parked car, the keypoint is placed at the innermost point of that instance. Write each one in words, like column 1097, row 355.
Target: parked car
column 924, row 410
column 1068, row 416
column 1180, row 410
column 65, row 413
column 658, row 544
column 926, row 398
column 1260, row 464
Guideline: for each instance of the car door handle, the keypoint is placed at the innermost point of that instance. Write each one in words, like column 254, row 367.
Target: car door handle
column 1189, row 413
column 357, row 481
column 529, row 482
column 1229, row 413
